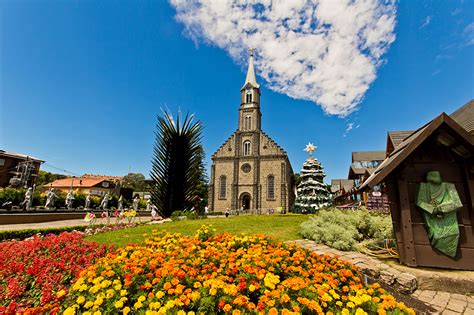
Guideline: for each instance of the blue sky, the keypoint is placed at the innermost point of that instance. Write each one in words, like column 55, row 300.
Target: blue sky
column 81, row 82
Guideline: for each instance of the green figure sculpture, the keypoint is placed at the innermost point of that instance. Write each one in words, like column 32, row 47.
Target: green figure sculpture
column 440, row 202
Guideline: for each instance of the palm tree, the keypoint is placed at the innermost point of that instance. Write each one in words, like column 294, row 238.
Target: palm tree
column 177, row 165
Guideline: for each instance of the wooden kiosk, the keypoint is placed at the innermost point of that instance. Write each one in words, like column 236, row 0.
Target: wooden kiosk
column 445, row 146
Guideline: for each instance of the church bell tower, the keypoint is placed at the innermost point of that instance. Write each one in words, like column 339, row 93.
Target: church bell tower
column 249, row 114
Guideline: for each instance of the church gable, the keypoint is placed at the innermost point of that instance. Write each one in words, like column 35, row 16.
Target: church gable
column 227, row 149
column 270, row 147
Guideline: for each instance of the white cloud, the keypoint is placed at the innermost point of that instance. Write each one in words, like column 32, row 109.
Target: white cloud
column 469, row 34
column 324, row 51
column 349, row 127
column 426, row 21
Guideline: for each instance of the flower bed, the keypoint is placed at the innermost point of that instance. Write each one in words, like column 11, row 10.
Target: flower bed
column 32, row 271
column 176, row 274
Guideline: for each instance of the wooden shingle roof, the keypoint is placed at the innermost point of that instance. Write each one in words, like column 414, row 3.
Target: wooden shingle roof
column 344, row 184
column 404, row 149
column 464, row 116
column 397, row 137
column 368, row 156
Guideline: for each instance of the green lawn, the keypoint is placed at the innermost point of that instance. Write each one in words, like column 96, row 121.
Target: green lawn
column 283, row 227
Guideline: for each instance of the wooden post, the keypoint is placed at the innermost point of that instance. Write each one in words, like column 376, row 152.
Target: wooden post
column 406, row 225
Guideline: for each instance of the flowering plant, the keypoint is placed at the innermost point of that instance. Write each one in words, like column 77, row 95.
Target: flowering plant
column 130, row 215
column 176, row 274
column 32, row 270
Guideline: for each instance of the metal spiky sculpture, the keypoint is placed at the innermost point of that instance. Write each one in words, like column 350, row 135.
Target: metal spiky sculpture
column 177, row 165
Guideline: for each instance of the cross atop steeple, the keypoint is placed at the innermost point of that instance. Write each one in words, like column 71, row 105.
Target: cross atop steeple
column 251, row 78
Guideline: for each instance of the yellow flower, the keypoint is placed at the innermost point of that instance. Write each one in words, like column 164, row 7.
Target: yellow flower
column 99, row 301
column 80, row 299
column 360, row 311
column 88, row 304
column 137, row 305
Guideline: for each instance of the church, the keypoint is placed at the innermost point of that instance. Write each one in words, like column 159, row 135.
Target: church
column 250, row 171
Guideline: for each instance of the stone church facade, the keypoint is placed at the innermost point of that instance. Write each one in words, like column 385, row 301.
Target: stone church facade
column 250, row 170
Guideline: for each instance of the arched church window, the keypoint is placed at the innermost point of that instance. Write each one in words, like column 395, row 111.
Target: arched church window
column 248, row 97
column 247, row 148
column 271, row 187
column 248, row 122
column 222, row 187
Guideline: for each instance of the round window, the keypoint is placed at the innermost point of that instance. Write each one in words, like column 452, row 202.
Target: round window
column 246, row 167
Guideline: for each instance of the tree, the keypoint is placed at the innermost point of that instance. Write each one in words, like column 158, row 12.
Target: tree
column 47, row 177
column 177, row 165
column 312, row 192
column 136, row 181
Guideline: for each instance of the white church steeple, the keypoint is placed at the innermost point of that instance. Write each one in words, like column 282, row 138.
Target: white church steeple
column 251, row 78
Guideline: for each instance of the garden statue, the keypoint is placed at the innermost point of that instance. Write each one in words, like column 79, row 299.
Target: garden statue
column 154, row 213
column 440, row 201
column 105, row 201
column 26, row 204
column 50, row 196
column 69, row 199
column 135, row 203
column 120, row 203
column 148, row 205
column 88, row 201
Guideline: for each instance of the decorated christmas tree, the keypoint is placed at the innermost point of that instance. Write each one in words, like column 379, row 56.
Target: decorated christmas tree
column 312, row 193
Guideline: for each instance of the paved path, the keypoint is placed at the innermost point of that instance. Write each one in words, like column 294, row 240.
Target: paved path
column 57, row 224
column 445, row 303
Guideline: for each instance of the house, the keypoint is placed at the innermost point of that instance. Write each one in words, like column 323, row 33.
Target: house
column 97, row 185
column 342, row 191
column 18, row 170
column 364, row 163
column 446, row 145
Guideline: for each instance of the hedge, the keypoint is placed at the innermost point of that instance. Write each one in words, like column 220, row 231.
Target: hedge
column 22, row 234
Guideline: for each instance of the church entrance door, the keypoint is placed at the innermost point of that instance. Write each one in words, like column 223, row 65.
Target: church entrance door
column 245, row 201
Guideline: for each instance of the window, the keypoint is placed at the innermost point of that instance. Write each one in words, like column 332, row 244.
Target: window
column 247, row 148
column 248, row 122
column 271, row 187
column 248, row 97
column 222, row 186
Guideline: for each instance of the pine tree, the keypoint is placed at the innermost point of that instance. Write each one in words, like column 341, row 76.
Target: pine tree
column 312, row 193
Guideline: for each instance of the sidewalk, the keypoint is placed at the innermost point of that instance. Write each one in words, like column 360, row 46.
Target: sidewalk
column 57, row 224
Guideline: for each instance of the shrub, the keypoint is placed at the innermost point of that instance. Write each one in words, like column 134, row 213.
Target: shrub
column 11, row 194
column 345, row 229
column 176, row 274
